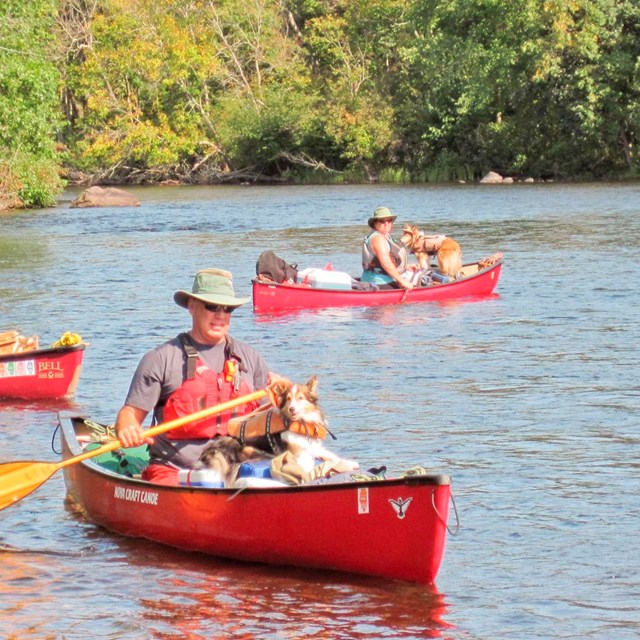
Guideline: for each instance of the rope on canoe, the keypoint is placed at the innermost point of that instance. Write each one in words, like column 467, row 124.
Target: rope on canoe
column 100, row 432
column 67, row 339
column 444, row 522
column 489, row 260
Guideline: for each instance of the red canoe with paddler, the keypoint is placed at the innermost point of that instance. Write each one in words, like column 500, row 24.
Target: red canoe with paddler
column 477, row 279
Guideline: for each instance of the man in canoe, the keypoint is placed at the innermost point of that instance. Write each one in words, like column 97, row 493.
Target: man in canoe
column 193, row 371
column 384, row 260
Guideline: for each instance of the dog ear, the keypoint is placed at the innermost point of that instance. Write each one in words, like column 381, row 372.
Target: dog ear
column 278, row 390
column 312, row 384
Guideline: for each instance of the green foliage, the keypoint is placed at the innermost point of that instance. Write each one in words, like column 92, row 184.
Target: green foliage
column 395, row 175
column 319, row 90
column 40, row 180
column 522, row 87
column 134, row 115
column 28, row 181
column 29, row 110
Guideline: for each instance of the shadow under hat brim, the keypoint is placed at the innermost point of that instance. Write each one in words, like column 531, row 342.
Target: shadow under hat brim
column 181, row 298
column 373, row 220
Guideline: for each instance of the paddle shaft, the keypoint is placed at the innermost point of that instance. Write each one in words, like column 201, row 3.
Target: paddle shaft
column 168, row 426
column 19, row 479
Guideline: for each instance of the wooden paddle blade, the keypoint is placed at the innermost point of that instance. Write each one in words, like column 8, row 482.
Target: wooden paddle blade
column 19, row 479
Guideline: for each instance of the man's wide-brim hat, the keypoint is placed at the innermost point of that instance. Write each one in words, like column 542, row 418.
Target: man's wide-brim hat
column 381, row 213
column 211, row 286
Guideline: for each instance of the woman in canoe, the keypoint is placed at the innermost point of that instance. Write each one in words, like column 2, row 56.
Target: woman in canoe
column 383, row 260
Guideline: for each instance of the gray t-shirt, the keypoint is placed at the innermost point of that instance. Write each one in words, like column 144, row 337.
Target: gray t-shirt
column 163, row 370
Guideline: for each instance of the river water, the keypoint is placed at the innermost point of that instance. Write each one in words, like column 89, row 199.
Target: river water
column 528, row 399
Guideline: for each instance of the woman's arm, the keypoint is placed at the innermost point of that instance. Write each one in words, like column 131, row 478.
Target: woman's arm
column 380, row 247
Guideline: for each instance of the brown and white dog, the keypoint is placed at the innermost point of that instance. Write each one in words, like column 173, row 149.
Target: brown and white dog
column 308, row 427
column 300, row 428
column 447, row 250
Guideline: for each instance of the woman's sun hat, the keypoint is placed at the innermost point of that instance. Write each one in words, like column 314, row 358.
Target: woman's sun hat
column 211, row 286
column 381, row 213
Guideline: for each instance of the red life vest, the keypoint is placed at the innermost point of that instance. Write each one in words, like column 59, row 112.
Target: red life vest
column 205, row 388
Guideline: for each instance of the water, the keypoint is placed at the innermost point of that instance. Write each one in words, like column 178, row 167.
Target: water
column 528, row 399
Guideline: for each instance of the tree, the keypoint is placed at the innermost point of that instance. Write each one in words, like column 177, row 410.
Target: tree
column 350, row 48
column 186, row 89
column 522, row 87
column 29, row 117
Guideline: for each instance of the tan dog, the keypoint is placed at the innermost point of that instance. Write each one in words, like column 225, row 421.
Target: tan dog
column 446, row 250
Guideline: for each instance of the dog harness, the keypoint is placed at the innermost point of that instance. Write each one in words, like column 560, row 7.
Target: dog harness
column 204, row 388
column 419, row 242
column 268, row 420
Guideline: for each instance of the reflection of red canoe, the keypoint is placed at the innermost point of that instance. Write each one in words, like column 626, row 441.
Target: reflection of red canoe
column 42, row 373
column 392, row 528
column 269, row 297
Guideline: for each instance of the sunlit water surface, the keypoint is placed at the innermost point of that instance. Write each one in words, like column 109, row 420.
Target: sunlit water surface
column 528, row 399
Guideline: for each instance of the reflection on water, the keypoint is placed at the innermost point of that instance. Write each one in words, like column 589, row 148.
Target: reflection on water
column 385, row 314
column 271, row 607
column 29, row 250
column 53, row 406
column 528, row 399
column 203, row 597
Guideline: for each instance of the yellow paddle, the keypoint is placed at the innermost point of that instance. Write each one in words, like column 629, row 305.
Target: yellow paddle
column 19, row 479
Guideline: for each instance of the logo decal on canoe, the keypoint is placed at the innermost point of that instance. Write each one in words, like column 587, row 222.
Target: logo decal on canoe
column 17, row 369
column 363, row 500
column 400, row 506
column 136, row 495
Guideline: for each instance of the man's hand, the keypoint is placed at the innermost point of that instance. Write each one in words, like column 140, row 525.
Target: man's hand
column 129, row 427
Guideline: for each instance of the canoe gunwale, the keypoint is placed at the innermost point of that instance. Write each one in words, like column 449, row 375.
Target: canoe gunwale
column 48, row 351
column 75, row 448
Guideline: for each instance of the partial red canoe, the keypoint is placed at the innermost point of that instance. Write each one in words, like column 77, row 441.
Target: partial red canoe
column 393, row 528
column 42, row 373
column 477, row 281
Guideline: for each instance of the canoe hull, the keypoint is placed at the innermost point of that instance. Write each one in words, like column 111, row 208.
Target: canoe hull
column 270, row 297
column 41, row 374
column 352, row 527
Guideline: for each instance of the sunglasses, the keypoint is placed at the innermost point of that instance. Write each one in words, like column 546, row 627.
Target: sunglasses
column 214, row 308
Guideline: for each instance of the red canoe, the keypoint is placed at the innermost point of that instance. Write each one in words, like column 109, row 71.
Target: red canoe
column 42, row 373
column 393, row 528
column 478, row 280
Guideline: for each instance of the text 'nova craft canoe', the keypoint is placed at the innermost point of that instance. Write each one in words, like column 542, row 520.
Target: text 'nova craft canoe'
column 39, row 374
column 478, row 279
column 392, row 528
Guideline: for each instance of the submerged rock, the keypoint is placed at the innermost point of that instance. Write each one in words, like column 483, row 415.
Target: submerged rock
column 105, row 197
